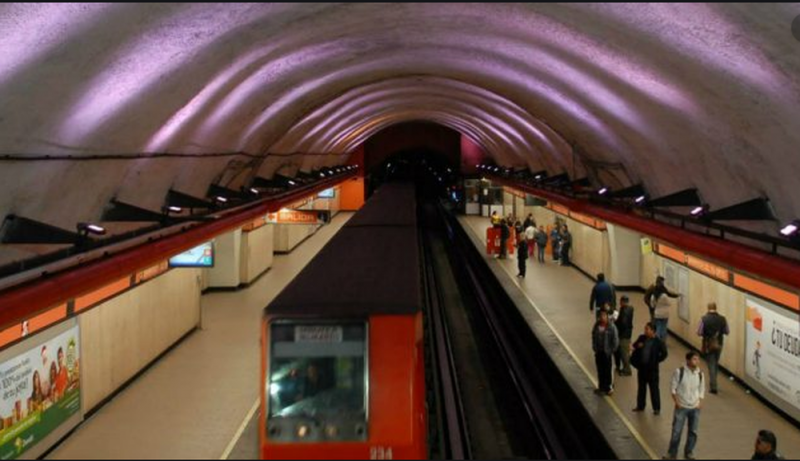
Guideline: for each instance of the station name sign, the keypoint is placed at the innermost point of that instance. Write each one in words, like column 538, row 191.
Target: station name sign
column 299, row 217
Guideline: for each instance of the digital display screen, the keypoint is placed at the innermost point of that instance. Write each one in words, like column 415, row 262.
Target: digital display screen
column 327, row 193
column 200, row 256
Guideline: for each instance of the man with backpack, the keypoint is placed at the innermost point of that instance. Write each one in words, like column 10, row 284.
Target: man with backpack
column 688, row 391
column 713, row 328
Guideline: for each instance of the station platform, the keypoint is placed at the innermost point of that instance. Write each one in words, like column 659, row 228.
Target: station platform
column 198, row 399
column 559, row 296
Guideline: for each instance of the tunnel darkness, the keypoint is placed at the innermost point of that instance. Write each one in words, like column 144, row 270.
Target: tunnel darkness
column 433, row 172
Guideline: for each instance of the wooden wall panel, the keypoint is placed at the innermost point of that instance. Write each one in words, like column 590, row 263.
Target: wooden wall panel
column 257, row 252
column 121, row 336
column 589, row 247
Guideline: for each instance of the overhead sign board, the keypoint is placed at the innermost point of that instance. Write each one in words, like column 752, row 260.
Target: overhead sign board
column 300, row 217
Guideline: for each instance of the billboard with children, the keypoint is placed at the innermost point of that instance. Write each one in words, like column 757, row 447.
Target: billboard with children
column 39, row 390
column 772, row 357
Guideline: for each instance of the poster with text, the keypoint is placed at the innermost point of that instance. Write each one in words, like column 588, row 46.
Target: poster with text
column 773, row 350
column 39, row 390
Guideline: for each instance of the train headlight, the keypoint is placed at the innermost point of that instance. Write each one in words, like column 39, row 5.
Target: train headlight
column 303, row 431
column 274, row 388
column 331, row 431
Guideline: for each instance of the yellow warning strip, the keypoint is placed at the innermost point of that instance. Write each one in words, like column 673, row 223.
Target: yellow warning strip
column 639, row 438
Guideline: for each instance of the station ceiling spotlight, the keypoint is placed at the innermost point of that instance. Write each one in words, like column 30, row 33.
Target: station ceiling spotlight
column 292, row 183
column 85, row 229
column 640, row 199
column 172, row 209
column 255, row 191
column 790, row 230
column 221, row 199
column 699, row 211
column 603, row 191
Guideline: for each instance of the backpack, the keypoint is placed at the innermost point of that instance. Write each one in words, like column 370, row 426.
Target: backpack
column 712, row 343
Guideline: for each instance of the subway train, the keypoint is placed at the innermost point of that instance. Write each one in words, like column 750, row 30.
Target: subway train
column 343, row 373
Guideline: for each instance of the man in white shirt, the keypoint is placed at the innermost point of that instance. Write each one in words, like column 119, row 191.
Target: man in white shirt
column 530, row 235
column 688, row 391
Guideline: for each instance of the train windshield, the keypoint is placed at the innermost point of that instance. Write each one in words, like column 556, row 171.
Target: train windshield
column 318, row 371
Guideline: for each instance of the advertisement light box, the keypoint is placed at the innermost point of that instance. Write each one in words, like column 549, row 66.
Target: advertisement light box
column 200, row 256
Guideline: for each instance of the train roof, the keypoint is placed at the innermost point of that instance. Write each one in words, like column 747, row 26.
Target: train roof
column 362, row 271
column 393, row 204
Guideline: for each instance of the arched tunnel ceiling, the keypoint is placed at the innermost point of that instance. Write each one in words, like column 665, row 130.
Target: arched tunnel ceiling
column 683, row 95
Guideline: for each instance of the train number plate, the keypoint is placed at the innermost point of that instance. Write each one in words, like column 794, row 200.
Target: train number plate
column 380, row 453
column 317, row 334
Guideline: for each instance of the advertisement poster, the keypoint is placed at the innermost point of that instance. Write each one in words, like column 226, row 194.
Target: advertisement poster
column 676, row 278
column 772, row 355
column 40, row 390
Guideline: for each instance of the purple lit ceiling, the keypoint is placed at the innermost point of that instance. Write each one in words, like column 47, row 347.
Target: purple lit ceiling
column 677, row 96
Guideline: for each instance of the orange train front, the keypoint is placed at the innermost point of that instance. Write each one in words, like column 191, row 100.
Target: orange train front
column 343, row 373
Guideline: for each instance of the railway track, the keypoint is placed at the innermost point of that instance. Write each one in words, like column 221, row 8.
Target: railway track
column 494, row 391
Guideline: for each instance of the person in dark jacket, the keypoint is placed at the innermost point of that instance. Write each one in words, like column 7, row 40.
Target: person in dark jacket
column 605, row 341
column 566, row 245
column 602, row 293
column 529, row 221
column 518, row 228
column 505, row 232
column 766, row 446
column 541, row 243
column 522, row 254
column 624, row 322
column 648, row 353
column 555, row 242
column 713, row 328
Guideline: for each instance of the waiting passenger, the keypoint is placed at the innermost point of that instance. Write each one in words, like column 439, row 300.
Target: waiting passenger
column 661, row 312
column 602, row 293
column 522, row 255
column 624, row 324
column 495, row 219
column 504, row 234
column 530, row 237
column 688, row 391
column 766, row 446
column 529, row 221
column 713, row 328
column 605, row 341
column 566, row 245
column 541, row 243
column 648, row 353
column 653, row 291
column 555, row 241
